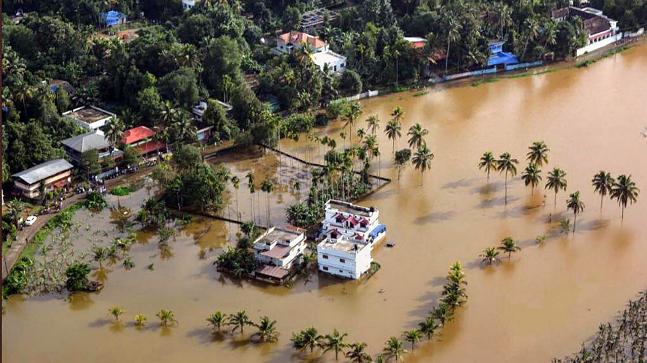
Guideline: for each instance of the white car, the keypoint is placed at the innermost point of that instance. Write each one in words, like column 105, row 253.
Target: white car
column 30, row 220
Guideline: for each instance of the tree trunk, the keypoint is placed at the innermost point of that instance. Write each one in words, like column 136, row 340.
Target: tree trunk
column 447, row 55
column 574, row 221
column 506, row 188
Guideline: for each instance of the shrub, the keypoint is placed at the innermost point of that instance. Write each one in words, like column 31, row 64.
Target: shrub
column 95, row 202
column 77, row 276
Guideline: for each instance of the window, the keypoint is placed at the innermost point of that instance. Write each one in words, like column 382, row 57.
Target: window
column 341, row 271
column 325, row 268
column 325, row 257
column 342, row 260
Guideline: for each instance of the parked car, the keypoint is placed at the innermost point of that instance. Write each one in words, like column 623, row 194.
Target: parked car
column 30, row 220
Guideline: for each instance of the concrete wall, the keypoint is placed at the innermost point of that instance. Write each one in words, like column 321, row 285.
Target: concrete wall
column 597, row 45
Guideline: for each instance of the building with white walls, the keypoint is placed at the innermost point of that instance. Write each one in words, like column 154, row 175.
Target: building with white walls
column 344, row 258
column 601, row 30
column 277, row 251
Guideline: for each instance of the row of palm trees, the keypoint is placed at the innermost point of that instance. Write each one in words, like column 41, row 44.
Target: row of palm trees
column 166, row 317
column 453, row 295
column 266, row 328
column 623, row 189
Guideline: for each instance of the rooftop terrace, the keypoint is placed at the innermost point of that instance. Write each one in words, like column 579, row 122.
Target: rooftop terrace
column 346, row 207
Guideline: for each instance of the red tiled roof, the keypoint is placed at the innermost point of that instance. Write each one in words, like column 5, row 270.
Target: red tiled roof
column 136, row 134
column 417, row 45
column 276, row 252
column 302, row 38
column 272, row 271
column 150, row 146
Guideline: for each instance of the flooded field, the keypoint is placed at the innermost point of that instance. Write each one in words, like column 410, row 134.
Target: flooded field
column 540, row 304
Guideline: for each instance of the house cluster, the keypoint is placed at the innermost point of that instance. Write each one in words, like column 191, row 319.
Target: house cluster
column 601, row 30
column 348, row 233
column 320, row 52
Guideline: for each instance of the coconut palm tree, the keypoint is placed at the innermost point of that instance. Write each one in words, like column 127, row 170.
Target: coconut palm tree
column 353, row 112
column 397, row 114
column 576, row 205
column 556, row 181
column 487, row 163
column 267, row 186
column 267, row 330
column 116, row 312
column 394, row 349
column 442, row 313
column 140, row 320
column 538, row 153
column 509, row 246
column 393, row 131
column 217, row 319
column 356, row 353
column 114, row 130
column 422, row 161
column 428, row 327
column 531, row 176
column 235, row 182
column 334, row 341
column 373, row 124
column 413, row 336
column 625, row 191
column 506, row 164
column 238, row 321
column 252, row 190
column 166, row 317
column 417, row 136
column 489, row 256
column 603, row 183
column 307, row 339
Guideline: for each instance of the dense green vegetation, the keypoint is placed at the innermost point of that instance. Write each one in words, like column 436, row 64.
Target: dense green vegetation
column 178, row 58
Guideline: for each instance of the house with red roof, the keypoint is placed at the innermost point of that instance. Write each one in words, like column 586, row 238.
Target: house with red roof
column 143, row 138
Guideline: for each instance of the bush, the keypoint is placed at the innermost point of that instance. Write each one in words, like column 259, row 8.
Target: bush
column 95, row 202
column 121, row 191
column 17, row 279
column 351, row 82
column 302, row 215
column 77, row 276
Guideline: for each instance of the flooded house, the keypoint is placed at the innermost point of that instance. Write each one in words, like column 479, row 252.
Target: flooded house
column 277, row 252
column 349, row 233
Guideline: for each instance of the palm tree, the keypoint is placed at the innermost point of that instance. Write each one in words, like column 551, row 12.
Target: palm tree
column 114, row 130
column 166, row 317
column 100, row 254
column 373, row 124
column 576, row 205
column 531, row 176
column 442, row 313
column 252, row 190
column 393, row 131
column 140, row 320
column 267, row 186
column 235, row 182
column 625, row 191
column 394, row 349
column 556, row 180
column 397, row 114
column 116, row 312
column 306, row 339
column 238, row 321
column 267, row 330
column 603, row 183
column 356, row 353
column 489, row 256
column 507, row 164
column 216, row 320
column 413, row 336
column 422, row 161
column 538, row 154
column 334, row 341
column 417, row 136
column 509, row 246
column 453, row 34
column 402, row 157
column 487, row 163
column 353, row 112
column 428, row 327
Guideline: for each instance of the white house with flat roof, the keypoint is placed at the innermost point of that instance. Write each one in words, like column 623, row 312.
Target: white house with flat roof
column 336, row 63
column 90, row 117
column 276, row 251
column 188, row 4
column 344, row 258
column 349, row 233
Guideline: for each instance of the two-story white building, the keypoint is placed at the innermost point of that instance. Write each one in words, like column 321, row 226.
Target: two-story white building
column 349, row 233
column 277, row 251
column 601, row 30
column 320, row 52
column 344, row 258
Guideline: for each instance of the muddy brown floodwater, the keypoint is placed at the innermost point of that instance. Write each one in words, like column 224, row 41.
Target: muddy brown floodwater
column 542, row 303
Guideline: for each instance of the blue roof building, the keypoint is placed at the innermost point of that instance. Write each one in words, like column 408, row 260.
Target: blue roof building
column 113, row 18
column 498, row 56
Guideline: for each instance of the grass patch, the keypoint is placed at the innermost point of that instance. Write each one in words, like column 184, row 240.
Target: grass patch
column 121, row 190
column 420, row 93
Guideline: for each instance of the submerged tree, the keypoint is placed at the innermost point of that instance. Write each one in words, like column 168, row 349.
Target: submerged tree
column 417, row 135
column 238, row 321
column 538, row 154
column 487, row 163
column 509, row 246
column 413, row 336
column 556, row 181
column 531, row 176
column 603, row 184
column 428, row 326
column 306, row 339
column 625, row 191
column 506, row 164
column 393, row 131
column 334, row 341
column 422, row 161
column 489, row 256
column 357, row 353
column 402, row 157
column 217, row 319
column 394, row 349
column 266, row 330
column 576, row 205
